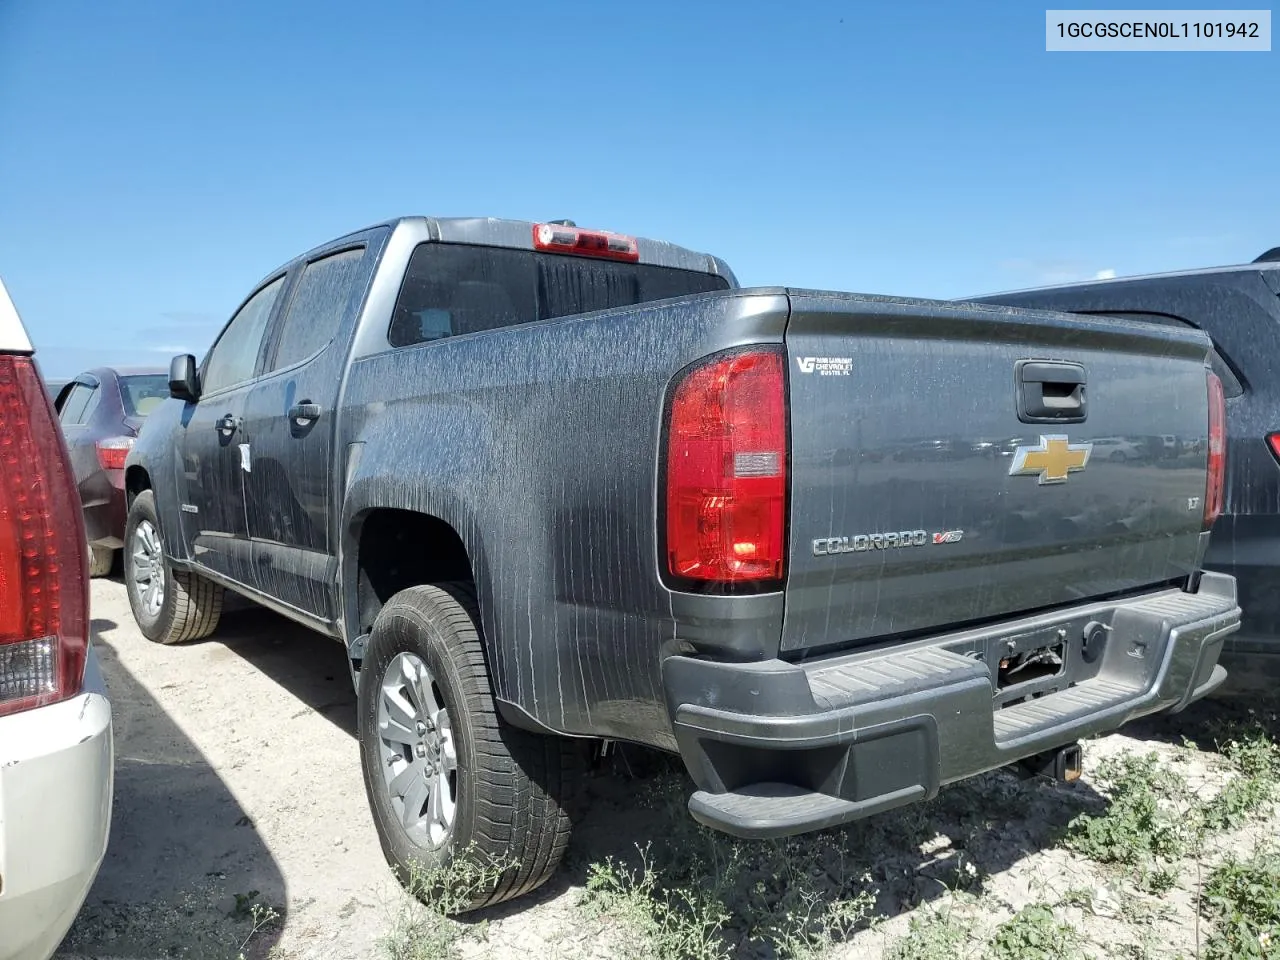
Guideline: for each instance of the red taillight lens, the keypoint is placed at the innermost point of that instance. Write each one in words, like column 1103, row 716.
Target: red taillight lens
column 727, row 471
column 1217, row 452
column 113, row 451
column 44, row 598
column 557, row 238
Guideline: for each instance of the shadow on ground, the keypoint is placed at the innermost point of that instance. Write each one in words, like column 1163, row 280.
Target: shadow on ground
column 184, row 865
column 1212, row 722
column 310, row 667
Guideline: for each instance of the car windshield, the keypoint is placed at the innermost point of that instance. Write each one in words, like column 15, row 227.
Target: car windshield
column 143, row 393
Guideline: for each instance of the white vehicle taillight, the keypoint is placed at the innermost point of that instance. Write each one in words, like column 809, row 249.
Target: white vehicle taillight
column 44, row 600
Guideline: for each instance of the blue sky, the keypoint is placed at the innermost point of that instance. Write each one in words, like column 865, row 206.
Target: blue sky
column 157, row 158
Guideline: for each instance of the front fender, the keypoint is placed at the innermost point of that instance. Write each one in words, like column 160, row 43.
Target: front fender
column 158, row 453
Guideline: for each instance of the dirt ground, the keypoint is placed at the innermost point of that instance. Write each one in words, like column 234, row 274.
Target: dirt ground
column 237, row 782
column 238, row 791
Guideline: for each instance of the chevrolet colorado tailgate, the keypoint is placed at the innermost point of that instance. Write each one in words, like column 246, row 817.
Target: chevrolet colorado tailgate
column 957, row 464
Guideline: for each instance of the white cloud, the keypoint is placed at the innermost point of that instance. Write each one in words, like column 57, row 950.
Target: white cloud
column 1107, row 274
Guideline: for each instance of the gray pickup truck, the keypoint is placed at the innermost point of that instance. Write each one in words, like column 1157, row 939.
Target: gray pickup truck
column 552, row 486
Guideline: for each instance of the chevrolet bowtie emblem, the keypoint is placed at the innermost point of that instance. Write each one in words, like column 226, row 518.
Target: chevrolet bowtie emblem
column 1052, row 459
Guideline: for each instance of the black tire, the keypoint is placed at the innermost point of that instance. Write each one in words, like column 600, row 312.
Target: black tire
column 191, row 604
column 513, row 789
column 102, row 560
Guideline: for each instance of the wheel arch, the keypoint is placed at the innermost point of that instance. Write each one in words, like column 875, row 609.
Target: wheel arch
column 136, row 479
column 386, row 549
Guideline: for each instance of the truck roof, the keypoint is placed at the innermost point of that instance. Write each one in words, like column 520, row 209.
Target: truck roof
column 494, row 232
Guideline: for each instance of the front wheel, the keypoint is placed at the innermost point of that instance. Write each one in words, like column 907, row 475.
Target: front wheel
column 445, row 775
column 170, row 605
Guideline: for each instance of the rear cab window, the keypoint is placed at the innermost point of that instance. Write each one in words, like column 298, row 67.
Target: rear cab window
column 454, row 289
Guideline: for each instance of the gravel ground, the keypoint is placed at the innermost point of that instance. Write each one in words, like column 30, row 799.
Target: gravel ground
column 238, row 789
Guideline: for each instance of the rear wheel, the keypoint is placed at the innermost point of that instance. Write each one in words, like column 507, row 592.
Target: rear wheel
column 445, row 775
column 170, row 605
column 102, row 561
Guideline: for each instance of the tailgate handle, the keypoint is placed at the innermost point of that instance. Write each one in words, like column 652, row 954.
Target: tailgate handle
column 1050, row 391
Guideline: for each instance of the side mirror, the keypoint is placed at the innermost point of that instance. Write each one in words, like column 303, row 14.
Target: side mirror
column 182, row 378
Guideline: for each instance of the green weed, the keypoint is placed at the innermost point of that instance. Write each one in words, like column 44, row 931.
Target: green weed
column 696, row 891
column 1141, row 824
column 933, row 935
column 1242, row 898
column 1255, row 760
column 260, row 914
column 425, row 929
column 680, row 924
column 1033, row 933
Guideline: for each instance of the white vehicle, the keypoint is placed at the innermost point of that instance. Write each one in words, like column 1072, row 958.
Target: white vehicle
column 1117, row 449
column 56, row 762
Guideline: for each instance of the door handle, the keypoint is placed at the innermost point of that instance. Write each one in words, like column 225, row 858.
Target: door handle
column 304, row 412
column 227, row 424
column 1050, row 391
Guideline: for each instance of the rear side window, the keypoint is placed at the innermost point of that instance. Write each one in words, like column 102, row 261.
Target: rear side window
column 74, row 404
column 454, row 289
column 142, row 393
column 235, row 356
column 317, row 307
column 91, row 404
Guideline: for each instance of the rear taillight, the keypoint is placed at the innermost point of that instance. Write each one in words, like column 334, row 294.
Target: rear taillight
column 44, row 598
column 726, row 471
column 1217, row 452
column 558, row 238
column 113, row 451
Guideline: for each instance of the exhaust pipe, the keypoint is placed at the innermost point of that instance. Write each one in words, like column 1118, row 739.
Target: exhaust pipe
column 1064, row 764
